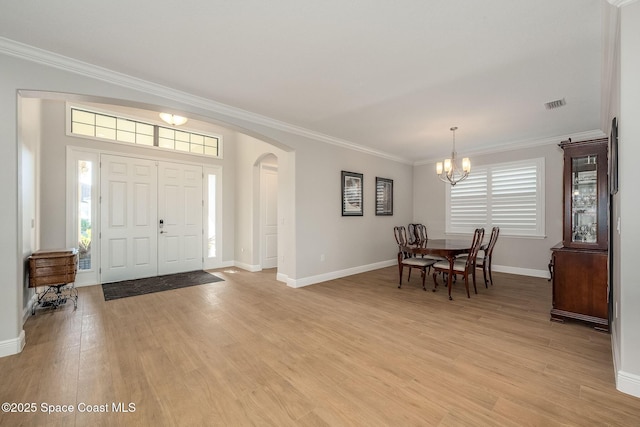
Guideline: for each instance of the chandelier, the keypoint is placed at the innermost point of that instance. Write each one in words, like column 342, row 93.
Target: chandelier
column 449, row 170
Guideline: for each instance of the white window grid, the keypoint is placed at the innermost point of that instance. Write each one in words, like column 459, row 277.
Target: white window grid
column 113, row 128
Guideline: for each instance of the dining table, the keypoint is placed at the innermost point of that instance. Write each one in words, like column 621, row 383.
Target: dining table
column 448, row 249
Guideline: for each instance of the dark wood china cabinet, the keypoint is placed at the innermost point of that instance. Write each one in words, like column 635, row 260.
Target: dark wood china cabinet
column 580, row 262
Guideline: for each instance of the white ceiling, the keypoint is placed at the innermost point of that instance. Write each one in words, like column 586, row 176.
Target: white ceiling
column 390, row 75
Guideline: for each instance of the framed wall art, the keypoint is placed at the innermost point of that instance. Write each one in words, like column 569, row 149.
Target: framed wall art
column 352, row 194
column 384, row 196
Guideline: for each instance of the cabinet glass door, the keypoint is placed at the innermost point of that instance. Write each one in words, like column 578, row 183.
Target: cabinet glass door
column 584, row 206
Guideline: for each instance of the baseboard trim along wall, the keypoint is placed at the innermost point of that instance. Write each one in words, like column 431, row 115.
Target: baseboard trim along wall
column 12, row 346
column 26, row 312
column 628, row 383
column 312, row 280
column 249, row 267
column 280, row 277
column 306, row 281
column 625, row 382
column 544, row 274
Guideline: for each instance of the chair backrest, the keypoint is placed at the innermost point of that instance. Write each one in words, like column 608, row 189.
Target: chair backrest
column 400, row 233
column 478, row 235
column 492, row 241
column 412, row 234
column 421, row 234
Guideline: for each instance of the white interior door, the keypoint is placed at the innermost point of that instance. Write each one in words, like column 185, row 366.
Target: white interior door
column 180, row 205
column 269, row 215
column 128, row 212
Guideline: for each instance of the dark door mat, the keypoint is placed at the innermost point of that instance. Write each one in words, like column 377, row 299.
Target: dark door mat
column 131, row 288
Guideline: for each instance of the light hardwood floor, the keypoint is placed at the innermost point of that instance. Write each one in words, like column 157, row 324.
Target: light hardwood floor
column 353, row 351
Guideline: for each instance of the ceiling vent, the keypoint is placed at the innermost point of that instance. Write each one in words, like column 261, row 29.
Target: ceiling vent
column 555, row 104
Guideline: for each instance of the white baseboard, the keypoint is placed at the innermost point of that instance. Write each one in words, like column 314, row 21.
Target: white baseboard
column 27, row 310
column 306, row 281
column 625, row 382
column 280, row 277
column 12, row 346
column 521, row 271
column 222, row 264
column 628, row 383
column 248, row 267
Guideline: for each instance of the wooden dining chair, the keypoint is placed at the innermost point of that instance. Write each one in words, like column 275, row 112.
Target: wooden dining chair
column 464, row 266
column 407, row 259
column 412, row 234
column 420, row 233
column 421, row 237
column 484, row 262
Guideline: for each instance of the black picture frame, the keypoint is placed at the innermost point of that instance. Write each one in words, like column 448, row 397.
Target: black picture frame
column 613, row 158
column 352, row 199
column 384, row 196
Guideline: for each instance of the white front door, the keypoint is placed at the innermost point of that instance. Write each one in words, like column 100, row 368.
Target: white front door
column 269, row 215
column 129, row 222
column 180, row 205
column 151, row 218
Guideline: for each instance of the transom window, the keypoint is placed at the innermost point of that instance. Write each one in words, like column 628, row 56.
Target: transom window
column 506, row 195
column 105, row 126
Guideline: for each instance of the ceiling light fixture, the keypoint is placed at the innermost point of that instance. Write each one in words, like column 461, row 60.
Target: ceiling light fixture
column 449, row 170
column 172, row 119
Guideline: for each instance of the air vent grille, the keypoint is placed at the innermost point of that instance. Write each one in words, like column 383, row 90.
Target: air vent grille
column 555, row 104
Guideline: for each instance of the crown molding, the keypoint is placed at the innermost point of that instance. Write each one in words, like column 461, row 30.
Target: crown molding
column 621, row 3
column 519, row 145
column 50, row 59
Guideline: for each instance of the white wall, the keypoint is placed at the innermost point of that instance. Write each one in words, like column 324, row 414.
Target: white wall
column 310, row 182
column 628, row 301
column 511, row 254
column 346, row 242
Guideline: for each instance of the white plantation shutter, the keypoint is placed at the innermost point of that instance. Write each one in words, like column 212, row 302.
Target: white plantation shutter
column 506, row 195
column 468, row 203
column 514, row 201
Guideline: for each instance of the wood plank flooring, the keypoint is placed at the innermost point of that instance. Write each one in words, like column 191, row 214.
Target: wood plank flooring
column 354, row 351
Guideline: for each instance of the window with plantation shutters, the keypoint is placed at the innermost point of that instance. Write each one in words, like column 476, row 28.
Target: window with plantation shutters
column 506, row 195
column 467, row 205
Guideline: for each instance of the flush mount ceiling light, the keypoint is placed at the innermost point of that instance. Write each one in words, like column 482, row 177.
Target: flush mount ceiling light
column 172, row 119
column 449, row 170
